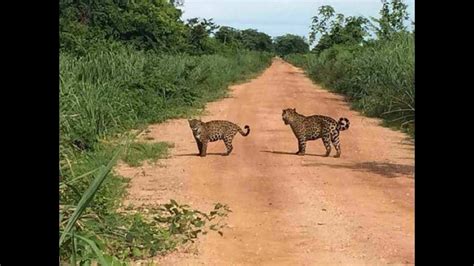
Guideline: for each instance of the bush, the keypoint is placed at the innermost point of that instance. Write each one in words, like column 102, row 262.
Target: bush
column 378, row 77
column 105, row 93
column 108, row 91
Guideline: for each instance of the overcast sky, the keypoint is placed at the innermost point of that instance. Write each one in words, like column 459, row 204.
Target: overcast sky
column 277, row 17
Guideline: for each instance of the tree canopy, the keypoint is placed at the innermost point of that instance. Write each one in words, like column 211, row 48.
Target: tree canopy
column 290, row 44
column 329, row 28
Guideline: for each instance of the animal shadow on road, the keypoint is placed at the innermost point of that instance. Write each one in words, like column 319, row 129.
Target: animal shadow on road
column 388, row 170
column 197, row 155
column 292, row 153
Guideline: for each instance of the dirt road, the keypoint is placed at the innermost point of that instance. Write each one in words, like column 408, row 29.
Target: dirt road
column 288, row 209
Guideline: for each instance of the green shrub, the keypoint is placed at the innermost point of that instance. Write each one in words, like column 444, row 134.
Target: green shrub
column 377, row 77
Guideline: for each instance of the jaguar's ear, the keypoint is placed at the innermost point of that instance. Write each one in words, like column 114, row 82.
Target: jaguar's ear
column 294, row 109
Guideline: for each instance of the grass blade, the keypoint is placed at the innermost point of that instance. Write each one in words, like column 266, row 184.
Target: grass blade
column 89, row 194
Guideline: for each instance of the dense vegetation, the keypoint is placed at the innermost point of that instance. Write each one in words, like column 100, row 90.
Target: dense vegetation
column 290, row 44
column 124, row 64
column 108, row 91
column 377, row 74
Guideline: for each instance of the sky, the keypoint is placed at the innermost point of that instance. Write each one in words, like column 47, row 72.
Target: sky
column 277, row 17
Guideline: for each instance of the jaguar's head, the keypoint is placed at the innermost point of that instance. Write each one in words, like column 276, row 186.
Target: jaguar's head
column 288, row 115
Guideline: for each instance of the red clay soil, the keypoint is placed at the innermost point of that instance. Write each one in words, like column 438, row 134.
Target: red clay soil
column 287, row 209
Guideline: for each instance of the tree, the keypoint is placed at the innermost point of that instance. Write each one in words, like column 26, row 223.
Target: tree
column 142, row 23
column 229, row 36
column 289, row 44
column 392, row 17
column 334, row 28
column 250, row 39
column 199, row 35
column 254, row 40
column 320, row 23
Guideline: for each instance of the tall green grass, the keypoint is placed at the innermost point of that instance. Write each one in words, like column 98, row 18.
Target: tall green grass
column 103, row 95
column 377, row 77
column 108, row 91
